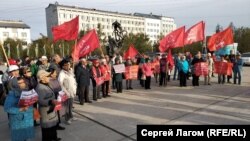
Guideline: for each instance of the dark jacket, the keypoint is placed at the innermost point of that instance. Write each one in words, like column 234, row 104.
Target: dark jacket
column 82, row 75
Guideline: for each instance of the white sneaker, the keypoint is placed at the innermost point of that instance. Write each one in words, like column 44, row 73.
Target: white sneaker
column 68, row 122
column 74, row 119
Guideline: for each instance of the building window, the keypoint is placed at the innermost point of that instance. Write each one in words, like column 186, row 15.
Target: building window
column 70, row 16
column 24, row 34
column 64, row 16
column 6, row 34
column 93, row 19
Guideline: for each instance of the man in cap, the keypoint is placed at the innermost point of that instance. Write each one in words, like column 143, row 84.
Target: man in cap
column 45, row 64
column 13, row 71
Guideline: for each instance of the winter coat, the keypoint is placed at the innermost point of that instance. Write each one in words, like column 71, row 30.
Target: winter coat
column 67, row 82
column 82, row 75
column 46, row 108
column 183, row 66
column 20, row 122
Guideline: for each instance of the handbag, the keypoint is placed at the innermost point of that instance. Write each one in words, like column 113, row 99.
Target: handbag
column 143, row 77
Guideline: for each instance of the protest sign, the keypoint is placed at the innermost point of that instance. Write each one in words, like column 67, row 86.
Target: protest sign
column 223, row 68
column 201, row 69
column 28, row 98
column 119, row 68
column 131, row 72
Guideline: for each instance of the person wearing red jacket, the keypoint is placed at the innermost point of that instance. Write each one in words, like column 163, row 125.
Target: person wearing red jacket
column 95, row 74
column 105, row 70
column 147, row 71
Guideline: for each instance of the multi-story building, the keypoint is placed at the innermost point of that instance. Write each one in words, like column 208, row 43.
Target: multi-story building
column 14, row 30
column 151, row 25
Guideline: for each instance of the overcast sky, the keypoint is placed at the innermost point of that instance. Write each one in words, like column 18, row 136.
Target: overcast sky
column 185, row 12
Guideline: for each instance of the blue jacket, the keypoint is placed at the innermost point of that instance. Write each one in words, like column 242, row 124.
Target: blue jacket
column 21, row 123
column 237, row 65
column 183, row 66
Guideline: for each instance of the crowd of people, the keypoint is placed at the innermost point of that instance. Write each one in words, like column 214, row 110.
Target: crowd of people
column 51, row 76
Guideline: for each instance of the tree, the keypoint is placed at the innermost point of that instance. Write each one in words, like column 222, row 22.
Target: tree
column 140, row 41
column 242, row 37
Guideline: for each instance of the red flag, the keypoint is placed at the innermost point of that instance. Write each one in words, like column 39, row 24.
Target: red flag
column 221, row 39
column 173, row 39
column 170, row 59
column 87, row 44
column 131, row 52
column 195, row 33
column 67, row 30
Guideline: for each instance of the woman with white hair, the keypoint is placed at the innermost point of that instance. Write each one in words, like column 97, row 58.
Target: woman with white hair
column 47, row 103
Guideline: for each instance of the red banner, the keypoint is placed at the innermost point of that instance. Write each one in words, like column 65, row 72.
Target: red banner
column 99, row 81
column 223, row 68
column 58, row 106
column 195, row 33
column 62, row 96
column 131, row 52
column 220, row 40
column 131, row 72
column 86, row 44
column 66, row 31
column 173, row 40
column 201, row 69
column 156, row 66
column 28, row 98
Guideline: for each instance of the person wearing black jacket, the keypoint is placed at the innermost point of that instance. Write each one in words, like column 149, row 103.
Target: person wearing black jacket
column 197, row 59
column 82, row 74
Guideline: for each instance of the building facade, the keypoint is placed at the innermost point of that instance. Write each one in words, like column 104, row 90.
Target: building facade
column 14, row 30
column 151, row 25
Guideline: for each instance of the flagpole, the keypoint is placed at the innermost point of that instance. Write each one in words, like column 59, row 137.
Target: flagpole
column 5, row 54
column 101, row 51
column 8, row 46
column 63, row 48
column 73, row 49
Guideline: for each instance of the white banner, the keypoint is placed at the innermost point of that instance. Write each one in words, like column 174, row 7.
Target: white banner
column 119, row 68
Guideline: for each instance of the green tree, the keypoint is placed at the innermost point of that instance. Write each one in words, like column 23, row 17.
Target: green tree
column 140, row 41
column 242, row 37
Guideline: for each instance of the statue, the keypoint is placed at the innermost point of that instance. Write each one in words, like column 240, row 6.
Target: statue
column 116, row 42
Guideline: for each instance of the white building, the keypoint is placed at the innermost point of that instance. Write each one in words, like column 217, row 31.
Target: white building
column 14, row 30
column 151, row 25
